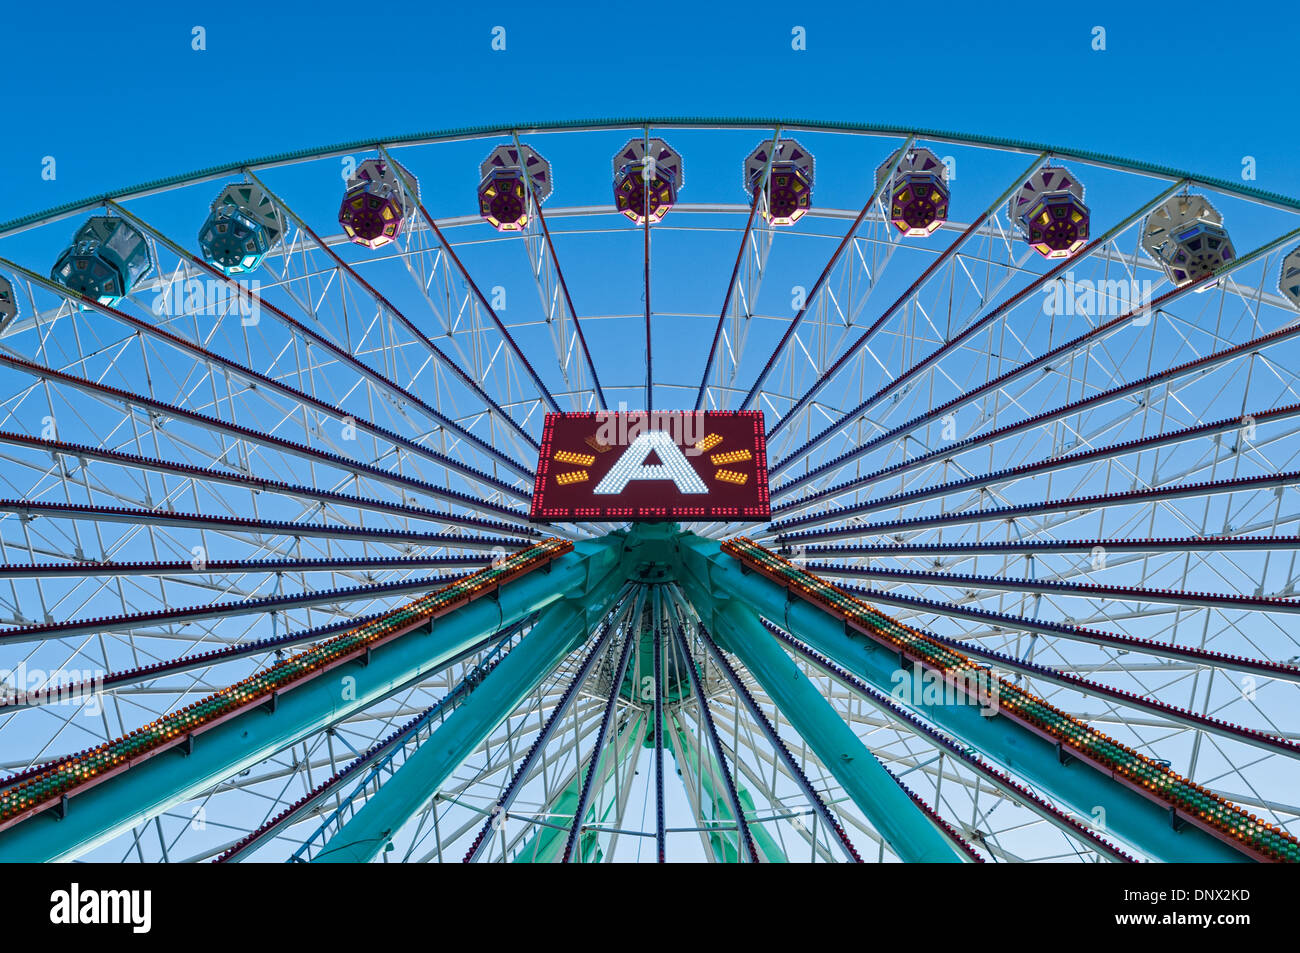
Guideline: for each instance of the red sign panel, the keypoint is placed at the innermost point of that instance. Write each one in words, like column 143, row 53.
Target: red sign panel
column 663, row 465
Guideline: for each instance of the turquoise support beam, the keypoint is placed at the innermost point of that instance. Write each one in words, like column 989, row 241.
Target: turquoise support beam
column 720, row 801
column 547, row 843
column 557, row 632
column 574, row 838
column 745, row 837
column 772, row 851
column 114, row 806
column 913, row 837
column 712, row 813
column 536, row 752
column 1125, row 813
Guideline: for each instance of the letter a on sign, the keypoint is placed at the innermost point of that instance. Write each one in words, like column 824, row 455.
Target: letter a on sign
column 632, row 466
column 687, row 465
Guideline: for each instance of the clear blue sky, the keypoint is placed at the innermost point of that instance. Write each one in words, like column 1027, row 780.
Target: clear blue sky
column 119, row 97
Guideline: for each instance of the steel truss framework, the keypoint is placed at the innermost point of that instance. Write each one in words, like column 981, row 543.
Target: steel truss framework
column 1098, row 502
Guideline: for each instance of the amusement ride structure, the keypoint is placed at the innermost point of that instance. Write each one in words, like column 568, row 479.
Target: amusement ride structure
column 898, row 498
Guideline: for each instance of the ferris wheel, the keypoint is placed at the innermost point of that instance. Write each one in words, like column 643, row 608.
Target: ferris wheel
column 500, row 494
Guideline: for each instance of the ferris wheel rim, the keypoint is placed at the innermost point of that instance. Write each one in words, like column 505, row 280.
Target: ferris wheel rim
column 466, row 133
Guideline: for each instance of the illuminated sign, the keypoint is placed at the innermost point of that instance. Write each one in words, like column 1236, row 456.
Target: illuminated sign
column 663, row 465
